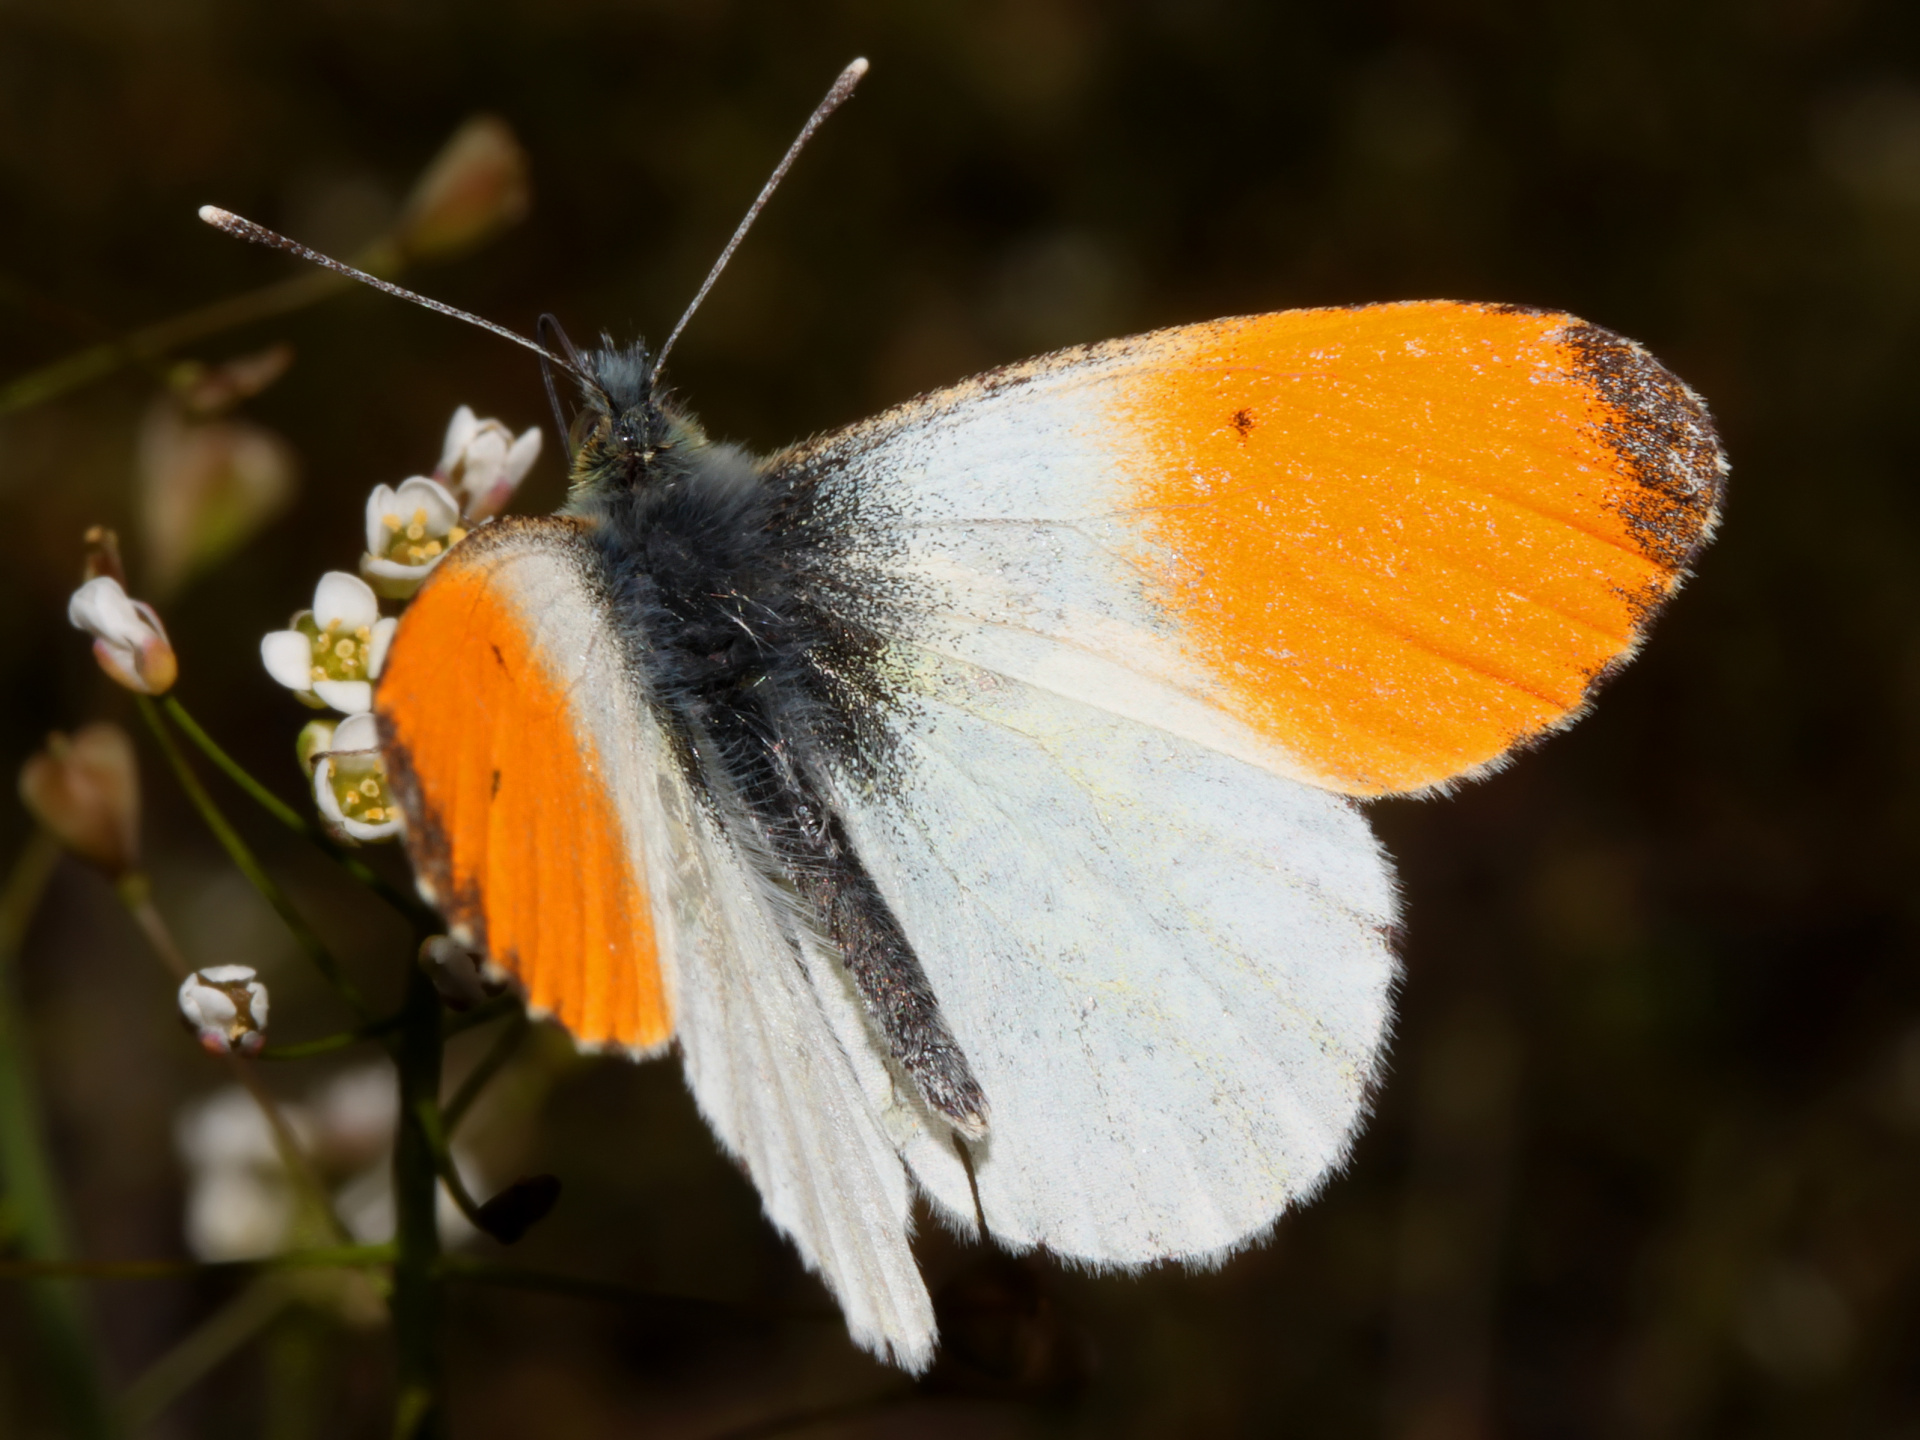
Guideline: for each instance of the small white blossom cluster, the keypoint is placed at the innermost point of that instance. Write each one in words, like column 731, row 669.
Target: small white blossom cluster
column 331, row 655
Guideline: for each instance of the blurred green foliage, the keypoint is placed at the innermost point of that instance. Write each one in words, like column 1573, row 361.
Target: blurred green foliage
column 1647, row 1158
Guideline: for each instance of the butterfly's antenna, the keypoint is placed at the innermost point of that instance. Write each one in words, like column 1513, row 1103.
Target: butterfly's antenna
column 259, row 234
column 842, row 88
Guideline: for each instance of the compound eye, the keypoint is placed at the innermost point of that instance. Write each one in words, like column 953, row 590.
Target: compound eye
column 589, row 427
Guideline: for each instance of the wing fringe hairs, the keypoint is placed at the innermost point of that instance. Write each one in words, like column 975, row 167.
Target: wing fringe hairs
column 773, row 1078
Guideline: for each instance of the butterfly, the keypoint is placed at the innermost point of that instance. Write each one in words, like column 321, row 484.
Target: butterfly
column 970, row 795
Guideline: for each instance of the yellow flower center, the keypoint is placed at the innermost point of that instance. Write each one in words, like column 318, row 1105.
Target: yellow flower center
column 360, row 787
column 413, row 543
column 338, row 654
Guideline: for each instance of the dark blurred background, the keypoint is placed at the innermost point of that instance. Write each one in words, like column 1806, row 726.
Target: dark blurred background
column 1647, row 1161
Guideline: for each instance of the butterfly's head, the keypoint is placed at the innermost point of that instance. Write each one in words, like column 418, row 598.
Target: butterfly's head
column 626, row 430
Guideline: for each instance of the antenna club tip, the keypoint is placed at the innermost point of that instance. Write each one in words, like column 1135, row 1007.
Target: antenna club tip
column 858, row 68
column 214, row 215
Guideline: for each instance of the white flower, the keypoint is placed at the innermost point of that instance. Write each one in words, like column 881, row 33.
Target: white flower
column 355, row 1112
column 128, row 639
column 226, row 1007
column 239, row 1203
column 483, row 463
column 409, row 530
column 332, row 654
column 350, row 783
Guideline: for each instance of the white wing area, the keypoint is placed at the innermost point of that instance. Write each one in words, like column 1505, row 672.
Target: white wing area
column 998, row 515
column 1169, row 969
column 760, row 1017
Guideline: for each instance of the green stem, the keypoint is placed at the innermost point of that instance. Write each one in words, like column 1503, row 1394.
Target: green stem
column 135, row 892
column 477, row 1079
column 427, row 1113
column 323, row 1257
column 326, row 1045
column 406, row 904
column 31, row 1190
column 419, row 1410
column 248, row 866
column 203, row 1348
column 153, row 343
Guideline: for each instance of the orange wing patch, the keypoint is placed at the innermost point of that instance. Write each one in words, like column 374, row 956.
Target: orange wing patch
column 509, row 817
column 1408, row 538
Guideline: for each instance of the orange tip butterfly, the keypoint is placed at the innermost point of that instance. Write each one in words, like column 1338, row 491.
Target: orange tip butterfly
column 969, row 794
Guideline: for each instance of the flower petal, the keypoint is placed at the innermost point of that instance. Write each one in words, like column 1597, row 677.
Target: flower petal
column 288, row 656
column 344, row 599
column 119, row 663
column 380, row 504
column 420, row 493
column 487, row 455
column 390, row 579
column 315, row 739
column 349, row 697
column 360, row 830
column 377, row 644
column 459, row 430
column 101, row 608
column 357, row 732
column 520, row 458
column 323, row 797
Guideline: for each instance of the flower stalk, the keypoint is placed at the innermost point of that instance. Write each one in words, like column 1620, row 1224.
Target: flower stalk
column 27, row 1174
column 244, row 861
column 400, row 900
column 419, row 1410
column 474, row 188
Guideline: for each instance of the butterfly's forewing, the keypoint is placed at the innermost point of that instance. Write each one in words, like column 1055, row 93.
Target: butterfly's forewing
column 1154, row 606
column 515, row 736
column 1373, row 548
column 552, row 827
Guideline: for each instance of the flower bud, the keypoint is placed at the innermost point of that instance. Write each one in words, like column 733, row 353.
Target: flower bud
column 455, row 972
column 206, row 391
column 476, row 186
column 128, row 639
column 205, row 488
column 519, row 1207
column 86, row 791
column 226, row 1008
column 483, row 463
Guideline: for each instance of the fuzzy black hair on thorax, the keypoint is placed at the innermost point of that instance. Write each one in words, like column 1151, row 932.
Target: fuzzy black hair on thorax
column 731, row 586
